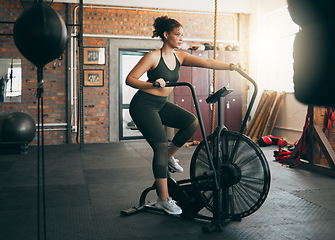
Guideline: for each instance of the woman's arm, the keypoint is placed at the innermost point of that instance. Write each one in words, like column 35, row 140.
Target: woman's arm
column 146, row 63
column 187, row 59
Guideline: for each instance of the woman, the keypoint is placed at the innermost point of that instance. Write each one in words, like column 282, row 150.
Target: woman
column 151, row 110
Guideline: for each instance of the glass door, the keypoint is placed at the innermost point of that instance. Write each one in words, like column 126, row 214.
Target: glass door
column 128, row 59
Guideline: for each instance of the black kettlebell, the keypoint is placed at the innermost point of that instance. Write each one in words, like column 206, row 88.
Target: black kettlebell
column 40, row 34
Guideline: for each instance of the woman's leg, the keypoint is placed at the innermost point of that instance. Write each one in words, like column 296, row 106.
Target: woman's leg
column 177, row 117
column 144, row 110
column 172, row 150
column 162, row 187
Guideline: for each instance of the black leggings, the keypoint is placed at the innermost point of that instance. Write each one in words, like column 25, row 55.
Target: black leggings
column 150, row 113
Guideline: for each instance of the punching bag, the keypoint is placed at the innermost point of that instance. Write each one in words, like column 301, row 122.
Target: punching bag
column 40, row 34
column 313, row 51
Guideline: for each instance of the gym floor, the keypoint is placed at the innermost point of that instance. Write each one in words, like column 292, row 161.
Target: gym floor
column 86, row 190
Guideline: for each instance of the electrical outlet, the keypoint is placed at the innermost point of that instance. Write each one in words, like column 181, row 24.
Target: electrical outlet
column 73, row 128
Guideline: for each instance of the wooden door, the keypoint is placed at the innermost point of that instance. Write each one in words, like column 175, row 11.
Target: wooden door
column 185, row 102
column 205, row 113
column 233, row 78
column 200, row 76
column 182, row 94
column 233, row 112
column 221, row 80
column 185, row 75
column 201, row 83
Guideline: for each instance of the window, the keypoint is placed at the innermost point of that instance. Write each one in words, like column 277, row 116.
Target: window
column 11, row 80
column 275, row 50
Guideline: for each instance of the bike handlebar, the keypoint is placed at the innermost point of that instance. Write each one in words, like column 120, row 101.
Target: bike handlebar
column 156, row 84
column 176, row 84
column 243, row 74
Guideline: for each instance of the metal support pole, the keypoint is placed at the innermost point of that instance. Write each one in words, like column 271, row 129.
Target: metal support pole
column 68, row 78
column 40, row 157
column 81, row 75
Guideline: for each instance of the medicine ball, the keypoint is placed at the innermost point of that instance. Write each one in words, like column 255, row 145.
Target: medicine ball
column 229, row 48
column 40, row 34
column 18, row 127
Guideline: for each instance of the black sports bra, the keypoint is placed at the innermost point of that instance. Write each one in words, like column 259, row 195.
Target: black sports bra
column 162, row 71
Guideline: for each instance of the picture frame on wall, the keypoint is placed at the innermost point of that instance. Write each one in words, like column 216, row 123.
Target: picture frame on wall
column 94, row 55
column 93, row 77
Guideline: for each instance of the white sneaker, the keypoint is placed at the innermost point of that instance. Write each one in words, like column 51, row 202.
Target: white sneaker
column 174, row 166
column 168, row 205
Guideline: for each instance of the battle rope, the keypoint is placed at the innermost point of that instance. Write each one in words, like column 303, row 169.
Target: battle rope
column 214, row 71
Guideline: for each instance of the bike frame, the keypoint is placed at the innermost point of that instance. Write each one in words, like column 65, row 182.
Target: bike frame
column 214, row 161
column 219, row 201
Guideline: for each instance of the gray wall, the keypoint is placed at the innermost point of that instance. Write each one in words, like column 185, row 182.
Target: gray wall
column 114, row 76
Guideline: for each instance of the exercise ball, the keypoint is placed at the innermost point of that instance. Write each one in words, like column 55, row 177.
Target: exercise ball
column 18, row 127
column 40, row 34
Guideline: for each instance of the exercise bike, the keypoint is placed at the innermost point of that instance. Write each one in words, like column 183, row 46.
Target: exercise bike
column 229, row 174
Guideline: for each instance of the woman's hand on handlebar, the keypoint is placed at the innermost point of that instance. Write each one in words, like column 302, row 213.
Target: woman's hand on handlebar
column 234, row 67
column 159, row 83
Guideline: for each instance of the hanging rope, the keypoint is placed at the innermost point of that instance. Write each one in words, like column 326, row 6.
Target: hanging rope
column 214, row 71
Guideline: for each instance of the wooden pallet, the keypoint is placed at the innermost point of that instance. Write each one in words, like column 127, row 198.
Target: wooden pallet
column 276, row 109
column 266, row 114
column 252, row 126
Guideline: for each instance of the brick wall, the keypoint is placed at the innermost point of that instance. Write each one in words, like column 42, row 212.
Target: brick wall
column 105, row 22
column 137, row 22
column 54, row 72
